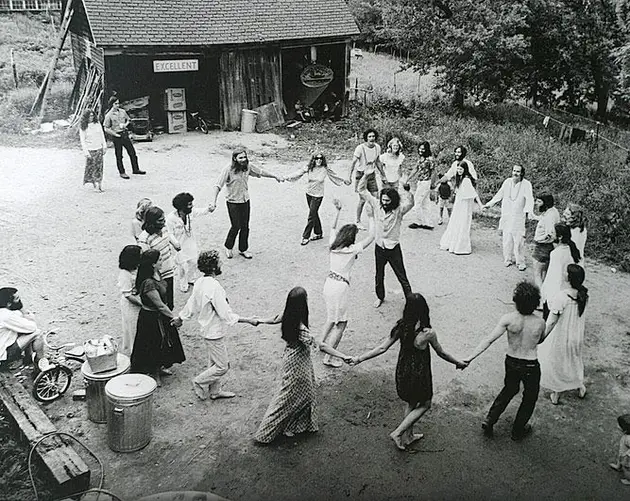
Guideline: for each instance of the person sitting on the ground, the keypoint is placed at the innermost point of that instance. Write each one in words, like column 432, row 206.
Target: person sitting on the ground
column 19, row 335
column 623, row 458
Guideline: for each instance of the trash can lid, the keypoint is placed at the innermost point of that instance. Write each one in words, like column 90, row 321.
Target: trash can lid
column 130, row 386
column 122, row 364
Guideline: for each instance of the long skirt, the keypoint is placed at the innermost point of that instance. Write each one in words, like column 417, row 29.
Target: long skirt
column 294, row 408
column 93, row 167
column 157, row 343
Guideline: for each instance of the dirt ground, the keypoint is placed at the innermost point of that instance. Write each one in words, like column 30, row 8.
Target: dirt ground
column 60, row 244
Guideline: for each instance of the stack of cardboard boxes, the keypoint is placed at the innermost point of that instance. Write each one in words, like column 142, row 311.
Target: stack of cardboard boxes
column 175, row 106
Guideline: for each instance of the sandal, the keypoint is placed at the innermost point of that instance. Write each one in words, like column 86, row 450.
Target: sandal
column 304, row 241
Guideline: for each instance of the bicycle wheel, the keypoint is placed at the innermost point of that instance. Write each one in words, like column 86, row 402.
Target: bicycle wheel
column 51, row 384
column 203, row 126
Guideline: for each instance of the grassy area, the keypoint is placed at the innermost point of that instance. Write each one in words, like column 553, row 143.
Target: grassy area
column 33, row 38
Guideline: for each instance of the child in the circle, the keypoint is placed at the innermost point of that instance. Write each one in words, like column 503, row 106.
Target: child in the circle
column 444, row 200
column 623, row 459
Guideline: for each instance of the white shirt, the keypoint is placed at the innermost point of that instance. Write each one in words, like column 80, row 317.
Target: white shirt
column 516, row 201
column 92, row 138
column 450, row 173
column 209, row 301
column 13, row 323
column 367, row 157
column 392, row 166
column 184, row 233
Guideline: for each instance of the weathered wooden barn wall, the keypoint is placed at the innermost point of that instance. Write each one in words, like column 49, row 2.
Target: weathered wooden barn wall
column 248, row 79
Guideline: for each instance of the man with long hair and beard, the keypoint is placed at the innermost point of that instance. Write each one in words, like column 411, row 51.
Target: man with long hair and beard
column 235, row 177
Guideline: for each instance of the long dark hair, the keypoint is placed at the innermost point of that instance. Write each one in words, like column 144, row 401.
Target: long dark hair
column 151, row 217
column 85, row 119
column 235, row 165
column 345, row 237
column 576, row 279
column 146, row 269
column 295, row 314
column 459, row 179
column 427, row 149
column 416, row 311
column 312, row 162
column 547, row 201
column 563, row 234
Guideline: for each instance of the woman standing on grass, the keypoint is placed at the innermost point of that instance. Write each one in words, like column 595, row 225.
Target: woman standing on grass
column 573, row 217
column 456, row 238
column 414, row 381
column 560, row 354
column 130, row 303
column 343, row 254
column 94, row 147
column 294, row 408
column 157, row 345
column 316, row 171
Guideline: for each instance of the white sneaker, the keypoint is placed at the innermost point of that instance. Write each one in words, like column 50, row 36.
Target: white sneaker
column 229, row 254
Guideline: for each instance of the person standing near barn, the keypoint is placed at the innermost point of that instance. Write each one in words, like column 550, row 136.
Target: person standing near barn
column 94, row 147
column 234, row 178
column 517, row 200
column 116, row 124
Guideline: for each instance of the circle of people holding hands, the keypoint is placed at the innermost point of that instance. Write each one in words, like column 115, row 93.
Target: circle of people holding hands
column 543, row 350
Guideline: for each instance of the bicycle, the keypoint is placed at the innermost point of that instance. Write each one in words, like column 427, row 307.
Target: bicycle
column 55, row 376
column 196, row 121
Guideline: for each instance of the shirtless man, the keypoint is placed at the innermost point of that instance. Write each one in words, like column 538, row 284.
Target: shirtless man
column 525, row 332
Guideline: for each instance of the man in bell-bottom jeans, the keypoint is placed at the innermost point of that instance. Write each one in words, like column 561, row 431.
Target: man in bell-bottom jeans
column 525, row 332
column 214, row 314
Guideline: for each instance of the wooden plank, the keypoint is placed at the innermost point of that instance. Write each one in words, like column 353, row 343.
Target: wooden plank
column 269, row 116
column 65, row 465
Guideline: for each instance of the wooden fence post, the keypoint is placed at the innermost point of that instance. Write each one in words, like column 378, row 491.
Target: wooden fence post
column 356, row 89
column 14, row 69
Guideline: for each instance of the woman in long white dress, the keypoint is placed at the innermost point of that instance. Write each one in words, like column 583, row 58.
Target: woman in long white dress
column 560, row 355
column 573, row 217
column 456, row 238
column 343, row 254
column 564, row 254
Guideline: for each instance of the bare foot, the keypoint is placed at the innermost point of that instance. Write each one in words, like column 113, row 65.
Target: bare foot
column 415, row 437
column 158, row 380
column 582, row 391
column 615, row 466
column 397, row 440
column 200, row 391
column 222, row 394
column 378, row 303
column 625, row 481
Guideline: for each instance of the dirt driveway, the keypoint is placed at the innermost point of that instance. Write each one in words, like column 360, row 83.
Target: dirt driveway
column 60, row 244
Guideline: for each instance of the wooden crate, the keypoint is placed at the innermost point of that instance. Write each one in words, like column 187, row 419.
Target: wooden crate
column 177, row 122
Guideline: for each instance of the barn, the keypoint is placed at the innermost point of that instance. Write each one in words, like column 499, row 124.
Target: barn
column 228, row 55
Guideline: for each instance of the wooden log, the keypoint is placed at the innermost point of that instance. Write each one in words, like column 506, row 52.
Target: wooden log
column 66, row 467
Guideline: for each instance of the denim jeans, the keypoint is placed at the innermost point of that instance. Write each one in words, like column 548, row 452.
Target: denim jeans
column 516, row 371
column 239, row 220
column 124, row 142
column 395, row 258
column 313, row 223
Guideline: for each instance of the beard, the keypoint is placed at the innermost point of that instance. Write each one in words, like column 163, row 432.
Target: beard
column 16, row 306
column 240, row 167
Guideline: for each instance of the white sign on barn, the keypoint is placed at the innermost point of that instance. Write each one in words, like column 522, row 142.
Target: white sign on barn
column 172, row 65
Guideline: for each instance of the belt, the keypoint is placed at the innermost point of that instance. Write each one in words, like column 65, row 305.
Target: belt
column 337, row 276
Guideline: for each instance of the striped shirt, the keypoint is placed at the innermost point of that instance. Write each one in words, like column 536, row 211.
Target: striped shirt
column 161, row 242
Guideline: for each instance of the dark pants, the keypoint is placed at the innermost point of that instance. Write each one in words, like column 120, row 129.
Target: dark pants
column 395, row 259
column 517, row 370
column 119, row 143
column 313, row 222
column 239, row 220
column 169, row 292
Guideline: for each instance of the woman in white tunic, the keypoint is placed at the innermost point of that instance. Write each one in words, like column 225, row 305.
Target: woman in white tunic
column 560, row 355
column 343, row 253
column 564, row 254
column 456, row 238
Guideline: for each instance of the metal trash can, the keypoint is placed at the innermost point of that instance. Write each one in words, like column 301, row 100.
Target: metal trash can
column 129, row 411
column 248, row 120
column 95, row 387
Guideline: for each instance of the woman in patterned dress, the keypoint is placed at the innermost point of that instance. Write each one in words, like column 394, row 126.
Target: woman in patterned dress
column 414, row 382
column 294, row 408
column 94, row 147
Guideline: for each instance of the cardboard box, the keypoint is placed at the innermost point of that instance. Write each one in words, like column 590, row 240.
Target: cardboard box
column 177, row 122
column 174, row 99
